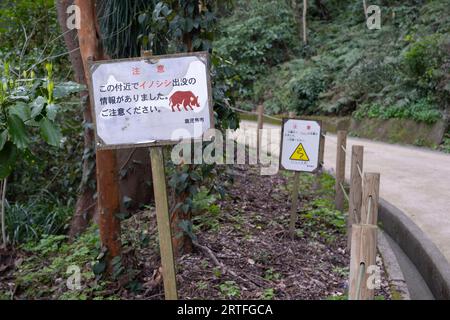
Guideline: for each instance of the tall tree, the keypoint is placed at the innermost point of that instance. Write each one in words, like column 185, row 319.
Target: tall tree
column 107, row 179
column 119, row 28
column 86, row 204
column 106, row 162
column 305, row 9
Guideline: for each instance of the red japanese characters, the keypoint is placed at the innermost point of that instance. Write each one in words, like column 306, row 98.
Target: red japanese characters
column 185, row 98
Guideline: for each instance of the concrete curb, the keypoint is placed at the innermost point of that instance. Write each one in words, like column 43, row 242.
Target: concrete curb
column 399, row 288
column 427, row 258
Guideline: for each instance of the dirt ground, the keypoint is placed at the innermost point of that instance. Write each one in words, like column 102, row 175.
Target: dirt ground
column 249, row 254
column 242, row 250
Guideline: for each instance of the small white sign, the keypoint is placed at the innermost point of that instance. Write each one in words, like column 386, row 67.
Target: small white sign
column 300, row 143
column 154, row 100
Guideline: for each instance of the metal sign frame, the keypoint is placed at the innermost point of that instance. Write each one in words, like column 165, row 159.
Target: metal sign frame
column 318, row 164
column 202, row 55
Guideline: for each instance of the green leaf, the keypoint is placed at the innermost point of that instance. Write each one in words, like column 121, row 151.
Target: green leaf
column 18, row 131
column 99, row 268
column 142, row 17
column 3, row 138
column 65, row 89
column 52, row 110
column 22, row 110
column 50, row 132
column 195, row 176
column 8, row 156
column 37, row 105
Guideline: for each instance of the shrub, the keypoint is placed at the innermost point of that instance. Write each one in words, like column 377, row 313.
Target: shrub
column 306, row 89
column 41, row 215
column 257, row 36
column 423, row 59
column 423, row 110
column 293, row 86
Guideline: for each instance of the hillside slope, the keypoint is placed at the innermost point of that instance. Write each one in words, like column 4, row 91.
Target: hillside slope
column 399, row 71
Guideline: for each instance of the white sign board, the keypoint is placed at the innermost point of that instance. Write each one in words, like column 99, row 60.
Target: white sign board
column 300, row 143
column 148, row 101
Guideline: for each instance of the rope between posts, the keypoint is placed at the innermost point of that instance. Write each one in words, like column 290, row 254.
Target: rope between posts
column 362, row 270
column 343, row 190
column 359, row 170
column 253, row 112
column 241, row 110
column 369, row 210
column 356, row 217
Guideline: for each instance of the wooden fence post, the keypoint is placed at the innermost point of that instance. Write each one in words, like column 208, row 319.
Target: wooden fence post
column 322, row 148
column 163, row 221
column 370, row 196
column 340, row 169
column 363, row 256
column 355, row 197
column 260, row 111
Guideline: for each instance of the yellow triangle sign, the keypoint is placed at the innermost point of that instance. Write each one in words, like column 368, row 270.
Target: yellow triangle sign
column 299, row 154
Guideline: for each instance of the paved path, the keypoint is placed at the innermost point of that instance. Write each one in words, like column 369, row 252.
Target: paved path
column 415, row 180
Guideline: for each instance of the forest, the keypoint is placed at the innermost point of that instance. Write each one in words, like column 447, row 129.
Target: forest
column 228, row 223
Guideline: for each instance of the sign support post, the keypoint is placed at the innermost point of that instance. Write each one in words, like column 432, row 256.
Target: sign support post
column 163, row 221
column 293, row 219
column 300, row 152
column 295, row 187
column 163, row 218
column 151, row 101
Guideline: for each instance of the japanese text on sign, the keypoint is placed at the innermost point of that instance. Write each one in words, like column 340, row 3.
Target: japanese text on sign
column 300, row 145
column 140, row 101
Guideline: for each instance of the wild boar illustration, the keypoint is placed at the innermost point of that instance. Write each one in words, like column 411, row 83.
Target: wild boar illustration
column 185, row 98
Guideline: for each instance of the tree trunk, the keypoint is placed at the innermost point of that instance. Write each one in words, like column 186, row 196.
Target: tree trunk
column 135, row 174
column 324, row 13
column 297, row 17
column 107, row 178
column 86, row 205
column 365, row 9
column 305, row 8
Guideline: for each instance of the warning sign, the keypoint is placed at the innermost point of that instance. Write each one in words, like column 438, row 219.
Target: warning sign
column 151, row 100
column 299, row 154
column 300, row 142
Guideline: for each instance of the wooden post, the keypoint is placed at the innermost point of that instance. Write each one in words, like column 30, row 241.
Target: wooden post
column 163, row 217
column 295, row 187
column 322, row 149
column 363, row 255
column 370, row 196
column 260, row 111
column 340, row 169
column 355, row 197
column 316, row 182
column 294, row 196
column 293, row 218
column 163, row 221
